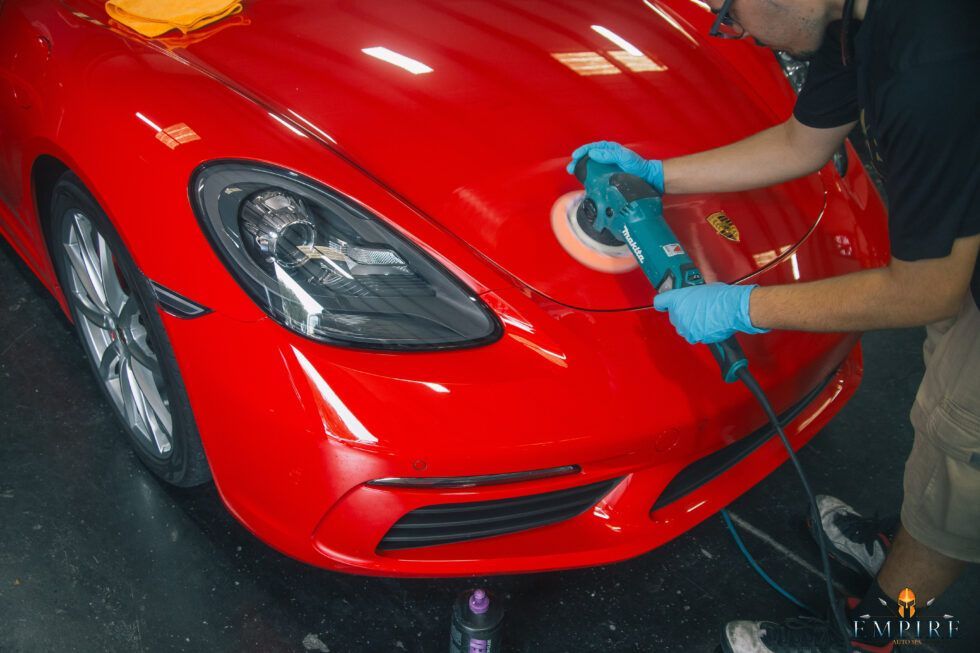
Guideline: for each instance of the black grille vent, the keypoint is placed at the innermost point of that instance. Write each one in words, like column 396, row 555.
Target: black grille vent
column 711, row 466
column 458, row 522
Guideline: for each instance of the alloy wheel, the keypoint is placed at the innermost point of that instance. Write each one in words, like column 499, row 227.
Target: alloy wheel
column 113, row 329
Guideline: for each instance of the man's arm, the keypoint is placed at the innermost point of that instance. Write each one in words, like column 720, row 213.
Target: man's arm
column 905, row 293
column 780, row 153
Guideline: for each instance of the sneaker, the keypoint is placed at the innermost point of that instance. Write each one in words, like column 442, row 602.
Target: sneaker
column 798, row 635
column 859, row 543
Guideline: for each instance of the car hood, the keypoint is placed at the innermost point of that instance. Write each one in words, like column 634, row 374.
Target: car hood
column 477, row 134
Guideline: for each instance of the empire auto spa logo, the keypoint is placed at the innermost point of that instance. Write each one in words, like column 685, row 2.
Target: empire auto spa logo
column 907, row 629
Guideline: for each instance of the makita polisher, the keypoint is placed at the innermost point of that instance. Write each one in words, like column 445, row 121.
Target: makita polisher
column 621, row 218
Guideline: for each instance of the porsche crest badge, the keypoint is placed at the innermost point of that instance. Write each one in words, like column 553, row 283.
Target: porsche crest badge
column 724, row 226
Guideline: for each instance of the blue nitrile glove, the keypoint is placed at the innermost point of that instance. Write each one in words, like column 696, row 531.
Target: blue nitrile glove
column 650, row 170
column 710, row 313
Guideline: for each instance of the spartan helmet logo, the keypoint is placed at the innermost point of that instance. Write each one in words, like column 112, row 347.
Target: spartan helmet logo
column 906, row 603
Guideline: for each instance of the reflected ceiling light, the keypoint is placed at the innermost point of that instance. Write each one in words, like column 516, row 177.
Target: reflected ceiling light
column 701, row 3
column 638, row 64
column 171, row 136
column 313, row 127
column 518, row 323
column 153, row 125
column 670, row 20
column 618, row 40
column 594, row 63
column 586, row 63
column 353, row 425
column 552, row 357
column 287, row 125
column 297, row 293
column 390, row 56
column 178, row 134
column 763, row 259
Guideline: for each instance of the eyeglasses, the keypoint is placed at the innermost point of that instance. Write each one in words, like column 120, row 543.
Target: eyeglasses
column 725, row 26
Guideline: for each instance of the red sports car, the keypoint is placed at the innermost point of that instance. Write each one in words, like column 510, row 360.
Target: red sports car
column 308, row 251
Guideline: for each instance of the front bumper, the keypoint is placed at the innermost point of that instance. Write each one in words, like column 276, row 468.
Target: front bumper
column 294, row 439
column 628, row 521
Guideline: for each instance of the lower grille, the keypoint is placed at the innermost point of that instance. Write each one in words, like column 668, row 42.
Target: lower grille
column 459, row 522
column 711, row 466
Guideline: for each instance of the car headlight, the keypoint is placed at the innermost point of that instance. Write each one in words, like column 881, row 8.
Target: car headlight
column 327, row 269
column 794, row 69
column 841, row 162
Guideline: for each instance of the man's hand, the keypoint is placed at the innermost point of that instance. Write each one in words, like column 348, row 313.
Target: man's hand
column 650, row 170
column 710, row 313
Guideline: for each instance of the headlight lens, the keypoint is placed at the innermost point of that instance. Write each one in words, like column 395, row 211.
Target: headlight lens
column 794, row 68
column 841, row 162
column 327, row 269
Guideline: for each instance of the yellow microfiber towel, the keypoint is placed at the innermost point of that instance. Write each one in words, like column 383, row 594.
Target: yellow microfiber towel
column 156, row 17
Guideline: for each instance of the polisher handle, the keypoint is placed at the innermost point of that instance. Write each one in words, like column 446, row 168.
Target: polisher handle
column 631, row 187
column 582, row 169
column 731, row 359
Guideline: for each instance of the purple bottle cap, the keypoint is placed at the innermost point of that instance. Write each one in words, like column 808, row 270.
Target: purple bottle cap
column 479, row 602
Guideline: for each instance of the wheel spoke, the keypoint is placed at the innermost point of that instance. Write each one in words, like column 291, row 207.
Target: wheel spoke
column 108, row 370
column 95, row 316
column 135, row 334
column 146, row 381
column 86, row 261
column 129, row 408
column 143, row 355
column 131, row 399
column 87, row 246
column 91, row 288
column 161, row 438
column 115, row 296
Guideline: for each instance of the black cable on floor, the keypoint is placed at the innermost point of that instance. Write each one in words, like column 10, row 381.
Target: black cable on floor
column 835, row 607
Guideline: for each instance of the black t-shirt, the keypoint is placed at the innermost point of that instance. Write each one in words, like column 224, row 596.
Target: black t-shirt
column 913, row 83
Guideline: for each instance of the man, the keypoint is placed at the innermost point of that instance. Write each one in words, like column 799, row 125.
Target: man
column 907, row 70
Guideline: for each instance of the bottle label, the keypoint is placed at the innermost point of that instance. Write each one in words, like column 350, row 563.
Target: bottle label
column 478, row 646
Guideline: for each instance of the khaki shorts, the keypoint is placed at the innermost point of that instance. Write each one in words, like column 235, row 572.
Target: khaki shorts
column 941, row 508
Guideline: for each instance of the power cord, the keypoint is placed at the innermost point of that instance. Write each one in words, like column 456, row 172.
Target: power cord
column 758, row 568
column 746, row 378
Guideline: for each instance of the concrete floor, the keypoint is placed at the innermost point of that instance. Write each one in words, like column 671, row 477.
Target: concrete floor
column 96, row 555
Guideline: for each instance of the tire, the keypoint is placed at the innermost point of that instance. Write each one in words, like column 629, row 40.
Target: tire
column 116, row 317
